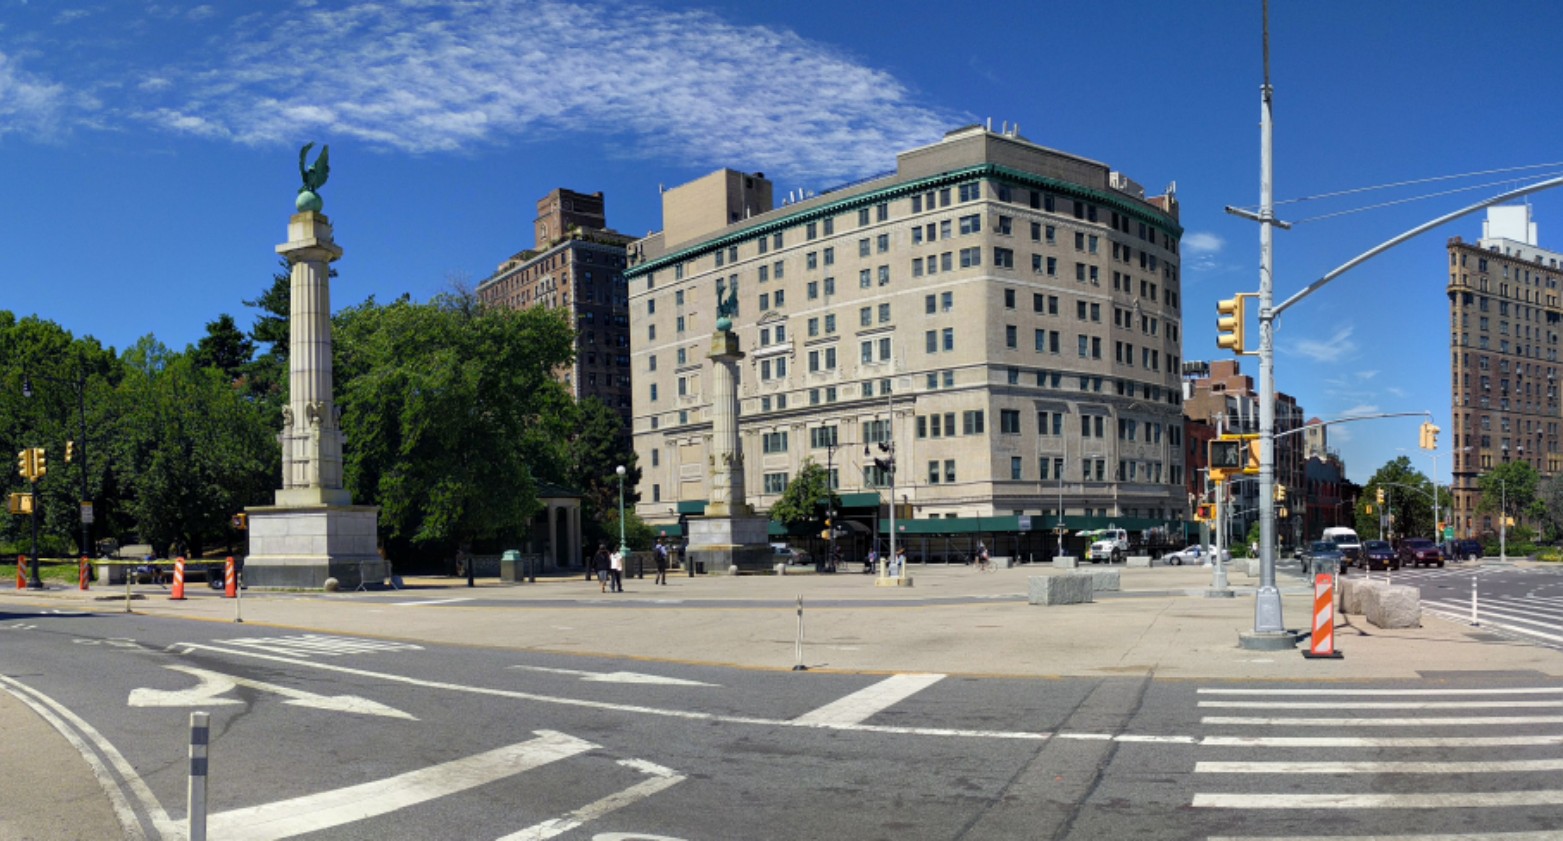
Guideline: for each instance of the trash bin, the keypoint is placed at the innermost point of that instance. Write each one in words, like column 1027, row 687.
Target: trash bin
column 509, row 567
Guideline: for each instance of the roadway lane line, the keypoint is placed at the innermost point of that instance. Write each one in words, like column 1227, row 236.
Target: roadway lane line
column 1432, row 721
column 1489, row 624
column 1399, row 800
column 78, row 732
column 1522, row 690
column 869, row 701
column 431, row 601
column 1506, row 766
column 1546, row 835
column 661, row 778
column 1381, row 742
column 327, row 809
column 664, row 712
column 1384, row 705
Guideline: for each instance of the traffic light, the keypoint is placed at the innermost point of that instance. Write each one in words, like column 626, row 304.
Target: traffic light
column 1253, row 456
column 40, row 463
column 24, row 463
column 1280, row 493
column 1429, row 439
column 1205, row 512
column 70, row 451
column 1379, row 495
column 20, row 504
column 240, row 521
column 1231, row 314
column 1226, row 455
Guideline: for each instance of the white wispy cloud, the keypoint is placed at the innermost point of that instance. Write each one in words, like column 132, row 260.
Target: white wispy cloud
column 1202, row 242
column 422, row 76
column 1360, row 409
column 28, row 103
column 1333, row 349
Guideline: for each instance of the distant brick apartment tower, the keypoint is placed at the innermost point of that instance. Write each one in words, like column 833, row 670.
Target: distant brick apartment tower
column 1008, row 315
column 576, row 265
column 1504, row 325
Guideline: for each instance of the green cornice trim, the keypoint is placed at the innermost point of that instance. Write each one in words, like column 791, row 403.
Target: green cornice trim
column 894, row 191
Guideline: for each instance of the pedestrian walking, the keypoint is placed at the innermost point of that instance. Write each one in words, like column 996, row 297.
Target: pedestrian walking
column 870, row 562
column 660, row 555
column 900, row 561
column 601, row 564
column 616, row 571
column 982, row 558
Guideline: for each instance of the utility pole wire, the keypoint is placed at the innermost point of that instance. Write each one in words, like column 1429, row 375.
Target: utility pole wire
column 1414, row 198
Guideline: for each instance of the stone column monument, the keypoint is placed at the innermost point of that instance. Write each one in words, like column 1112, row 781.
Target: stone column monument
column 313, row 532
column 730, row 537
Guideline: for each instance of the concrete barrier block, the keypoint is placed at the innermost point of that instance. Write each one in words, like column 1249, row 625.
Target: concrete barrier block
column 1139, row 560
column 1001, row 561
column 1252, row 567
column 1355, row 592
column 1059, row 589
column 1102, row 580
column 1065, row 562
column 1396, row 607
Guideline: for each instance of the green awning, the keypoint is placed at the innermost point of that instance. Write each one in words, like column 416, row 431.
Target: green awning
column 692, row 506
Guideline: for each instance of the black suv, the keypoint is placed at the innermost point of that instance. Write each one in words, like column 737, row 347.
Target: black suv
column 1463, row 550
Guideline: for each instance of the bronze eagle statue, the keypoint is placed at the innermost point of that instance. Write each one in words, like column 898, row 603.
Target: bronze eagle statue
column 314, row 176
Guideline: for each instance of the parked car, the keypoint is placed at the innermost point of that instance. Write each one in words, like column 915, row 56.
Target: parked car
column 1378, row 554
column 1419, row 551
column 1321, row 556
column 1195, row 554
column 785, row 554
column 1466, row 550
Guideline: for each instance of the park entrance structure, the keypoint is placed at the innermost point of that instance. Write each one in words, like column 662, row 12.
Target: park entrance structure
column 314, row 532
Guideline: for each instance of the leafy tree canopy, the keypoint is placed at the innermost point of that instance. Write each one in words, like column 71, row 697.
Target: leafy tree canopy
column 806, row 498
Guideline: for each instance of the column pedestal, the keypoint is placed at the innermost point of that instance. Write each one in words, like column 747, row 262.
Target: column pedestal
column 299, row 548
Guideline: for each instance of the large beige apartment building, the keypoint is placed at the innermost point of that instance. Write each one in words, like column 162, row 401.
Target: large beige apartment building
column 1504, row 325
column 576, row 264
column 1007, row 315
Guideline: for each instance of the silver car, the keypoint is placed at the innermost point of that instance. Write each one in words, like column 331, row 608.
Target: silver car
column 1195, row 554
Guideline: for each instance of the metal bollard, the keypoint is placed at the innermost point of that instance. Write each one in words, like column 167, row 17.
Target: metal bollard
column 200, row 730
column 1473, row 602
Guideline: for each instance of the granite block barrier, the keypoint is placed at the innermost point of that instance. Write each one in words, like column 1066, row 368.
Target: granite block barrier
column 1395, row 606
column 1354, row 593
column 1001, row 561
column 1065, row 562
column 1060, row 589
column 1139, row 560
column 1253, row 567
column 1102, row 580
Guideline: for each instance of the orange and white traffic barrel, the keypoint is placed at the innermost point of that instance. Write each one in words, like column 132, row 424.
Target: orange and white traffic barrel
column 179, row 580
column 1322, row 645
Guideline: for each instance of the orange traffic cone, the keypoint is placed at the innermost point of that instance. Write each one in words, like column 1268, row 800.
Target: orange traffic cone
column 179, row 580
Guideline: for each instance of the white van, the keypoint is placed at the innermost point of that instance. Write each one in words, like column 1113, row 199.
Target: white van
column 1347, row 541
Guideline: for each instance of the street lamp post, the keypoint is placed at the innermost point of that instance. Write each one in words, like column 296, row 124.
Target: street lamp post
column 623, row 545
column 81, row 408
column 1063, row 464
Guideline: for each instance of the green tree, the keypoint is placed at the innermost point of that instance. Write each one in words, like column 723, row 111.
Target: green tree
column 224, row 347
column 188, row 448
column 806, row 498
column 1510, row 489
column 1549, row 497
column 449, row 412
column 1409, row 498
column 594, row 447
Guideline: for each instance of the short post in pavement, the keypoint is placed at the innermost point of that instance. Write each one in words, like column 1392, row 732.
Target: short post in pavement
column 797, row 649
column 1473, row 601
column 200, row 730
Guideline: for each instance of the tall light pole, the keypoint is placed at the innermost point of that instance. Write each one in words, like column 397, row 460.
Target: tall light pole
column 1063, row 464
column 623, row 545
column 81, row 407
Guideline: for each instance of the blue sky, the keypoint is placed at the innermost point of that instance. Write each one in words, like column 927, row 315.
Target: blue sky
column 148, row 151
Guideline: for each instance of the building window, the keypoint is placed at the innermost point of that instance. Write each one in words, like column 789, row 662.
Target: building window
column 971, row 224
column 1003, row 258
column 1009, row 421
column 773, row 442
column 823, row 436
column 775, row 483
column 1014, row 467
column 830, row 256
column 884, row 313
column 971, row 191
column 971, row 257
column 1011, row 336
column 971, row 423
column 882, row 243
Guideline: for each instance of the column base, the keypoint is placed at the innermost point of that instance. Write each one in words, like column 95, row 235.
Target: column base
column 300, row 548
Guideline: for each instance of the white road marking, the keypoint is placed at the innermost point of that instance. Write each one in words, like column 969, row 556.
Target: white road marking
column 79, row 733
column 661, row 778
column 870, row 701
column 1449, row 721
column 688, row 715
column 1488, row 621
column 1397, row 800
column 1548, row 835
column 432, row 601
column 327, row 809
column 616, row 677
column 1383, row 742
column 306, row 645
column 213, row 684
column 1326, row 768
column 1522, row 690
column 1507, row 703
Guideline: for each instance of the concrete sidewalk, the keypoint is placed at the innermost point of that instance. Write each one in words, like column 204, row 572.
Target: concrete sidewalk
column 955, row 620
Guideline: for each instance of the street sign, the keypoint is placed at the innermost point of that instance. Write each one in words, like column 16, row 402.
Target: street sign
column 1449, row 532
column 86, row 511
column 1025, row 522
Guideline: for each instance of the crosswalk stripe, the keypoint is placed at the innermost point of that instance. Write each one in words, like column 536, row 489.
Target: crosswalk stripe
column 1380, row 742
column 1545, row 835
column 869, row 701
column 1488, row 609
column 1384, row 705
column 1518, row 766
column 1400, row 800
column 1449, row 721
column 1510, row 690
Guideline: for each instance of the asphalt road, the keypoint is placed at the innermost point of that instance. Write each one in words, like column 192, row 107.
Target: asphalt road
column 323, row 736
